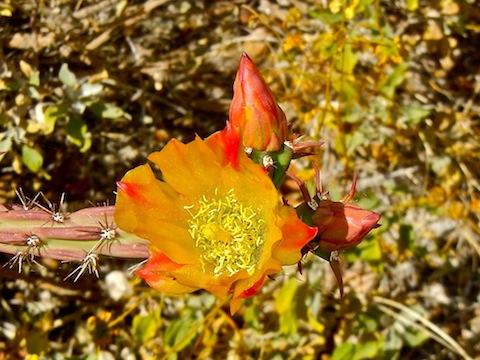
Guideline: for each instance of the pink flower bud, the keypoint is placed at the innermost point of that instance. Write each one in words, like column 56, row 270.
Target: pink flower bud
column 342, row 225
column 254, row 110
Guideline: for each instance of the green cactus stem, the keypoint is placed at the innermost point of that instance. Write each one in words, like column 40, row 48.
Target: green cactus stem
column 276, row 163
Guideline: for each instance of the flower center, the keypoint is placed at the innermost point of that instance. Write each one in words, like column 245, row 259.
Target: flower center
column 230, row 234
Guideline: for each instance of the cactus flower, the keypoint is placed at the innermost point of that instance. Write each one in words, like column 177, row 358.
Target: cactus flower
column 254, row 110
column 214, row 221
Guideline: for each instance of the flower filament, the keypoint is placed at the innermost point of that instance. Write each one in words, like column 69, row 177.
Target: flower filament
column 229, row 234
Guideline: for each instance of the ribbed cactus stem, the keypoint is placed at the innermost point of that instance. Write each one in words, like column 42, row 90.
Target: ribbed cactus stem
column 78, row 236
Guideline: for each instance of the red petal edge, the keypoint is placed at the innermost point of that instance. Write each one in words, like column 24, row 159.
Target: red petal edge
column 157, row 262
column 231, row 142
column 129, row 189
column 253, row 290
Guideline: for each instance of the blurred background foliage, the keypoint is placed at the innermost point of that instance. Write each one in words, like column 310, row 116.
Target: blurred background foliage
column 89, row 88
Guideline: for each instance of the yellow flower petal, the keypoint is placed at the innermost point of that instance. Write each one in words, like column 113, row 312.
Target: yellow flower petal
column 152, row 210
column 187, row 167
column 215, row 222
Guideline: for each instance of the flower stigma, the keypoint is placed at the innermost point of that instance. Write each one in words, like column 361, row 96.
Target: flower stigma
column 229, row 234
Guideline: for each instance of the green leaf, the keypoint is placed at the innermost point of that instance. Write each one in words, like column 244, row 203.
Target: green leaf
column 414, row 337
column 440, row 164
column 348, row 60
column 346, row 86
column 366, row 322
column 355, row 141
column 368, row 200
column 14, row 85
column 410, row 335
column 51, row 115
column 37, row 342
column 145, row 328
column 326, row 16
column 289, row 308
column 88, row 90
column 105, row 110
column 409, row 241
column 368, row 250
column 388, row 86
column 32, row 158
column 6, row 144
column 414, row 113
column 33, row 93
column 326, row 44
column 392, row 345
column 349, row 90
column 67, row 77
column 180, row 333
column 367, row 350
column 78, row 107
column 251, row 315
column 77, row 131
column 34, row 79
column 344, row 352
column 407, row 237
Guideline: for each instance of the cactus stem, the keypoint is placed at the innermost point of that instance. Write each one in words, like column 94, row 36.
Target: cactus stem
column 82, row 236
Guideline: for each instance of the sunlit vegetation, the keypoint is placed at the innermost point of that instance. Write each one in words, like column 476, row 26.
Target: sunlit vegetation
column 89, row 88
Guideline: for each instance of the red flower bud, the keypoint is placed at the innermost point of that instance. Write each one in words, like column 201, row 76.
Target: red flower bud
column 254, row 110
column 342, row 225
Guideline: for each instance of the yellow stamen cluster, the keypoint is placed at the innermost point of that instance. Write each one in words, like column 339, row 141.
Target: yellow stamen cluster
column 229, row 234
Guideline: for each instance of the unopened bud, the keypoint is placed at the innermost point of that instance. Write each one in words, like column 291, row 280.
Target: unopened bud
column 254, row 110
column 342, row 225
